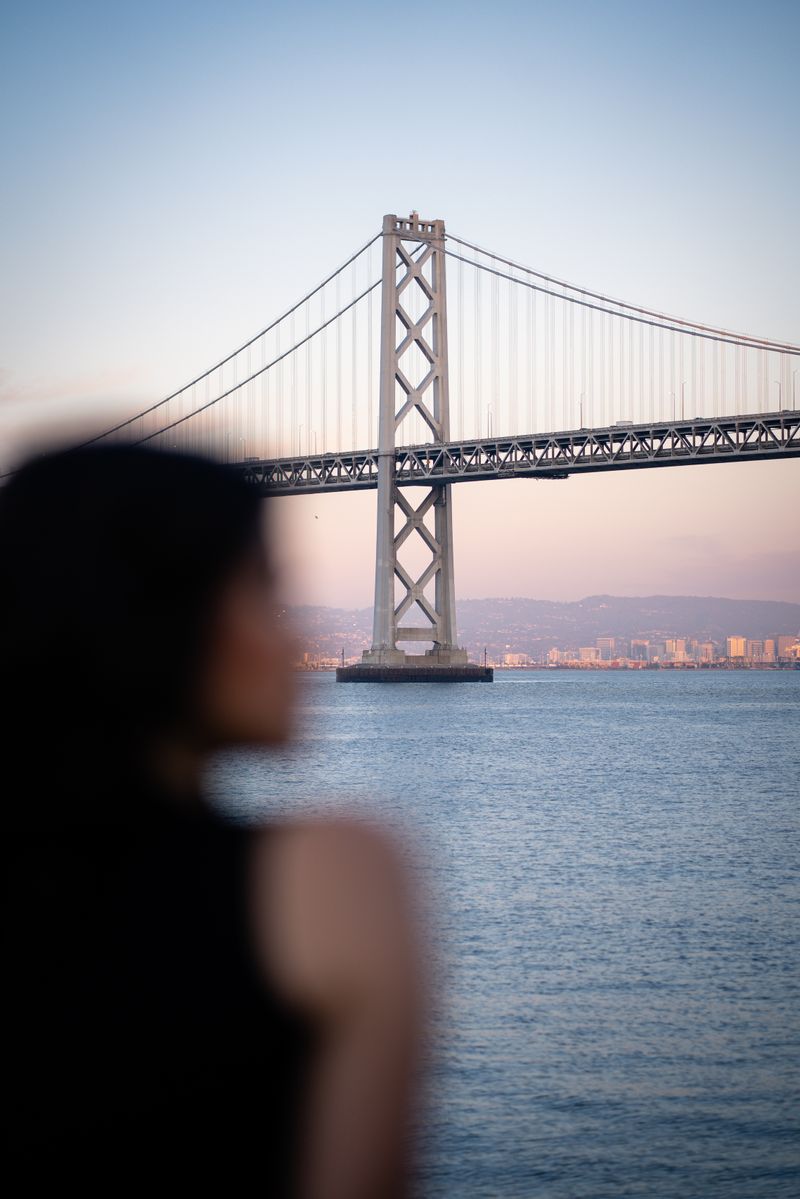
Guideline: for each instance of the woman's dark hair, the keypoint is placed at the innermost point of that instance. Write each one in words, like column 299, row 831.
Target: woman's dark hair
column 111, row 559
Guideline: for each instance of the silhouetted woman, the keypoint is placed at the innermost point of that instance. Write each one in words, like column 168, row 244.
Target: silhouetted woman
column 188, row 1003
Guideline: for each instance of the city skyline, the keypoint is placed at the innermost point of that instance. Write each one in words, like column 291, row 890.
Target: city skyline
column 613, row 653
column 656, row 630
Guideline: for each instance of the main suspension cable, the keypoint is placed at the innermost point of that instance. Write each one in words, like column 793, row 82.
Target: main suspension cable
column 689, row 331
column 737, row 338
column 260, row 371
column 223, row 361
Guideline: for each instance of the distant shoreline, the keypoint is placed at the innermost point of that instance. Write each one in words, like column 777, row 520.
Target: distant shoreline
column 635, row 667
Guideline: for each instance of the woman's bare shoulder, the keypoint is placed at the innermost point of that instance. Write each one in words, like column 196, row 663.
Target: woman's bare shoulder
column 331, row 911
column 332, row 839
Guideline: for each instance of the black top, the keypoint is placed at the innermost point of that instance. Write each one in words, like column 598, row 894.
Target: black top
column 141, row 1041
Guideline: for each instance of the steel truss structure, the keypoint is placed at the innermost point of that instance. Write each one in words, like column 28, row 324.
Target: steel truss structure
column 542, row 456
column 413, row 384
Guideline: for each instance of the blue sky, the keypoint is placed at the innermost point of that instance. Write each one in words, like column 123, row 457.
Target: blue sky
column 175, row 174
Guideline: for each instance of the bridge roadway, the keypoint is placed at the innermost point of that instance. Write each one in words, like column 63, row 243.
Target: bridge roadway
column 621, row 446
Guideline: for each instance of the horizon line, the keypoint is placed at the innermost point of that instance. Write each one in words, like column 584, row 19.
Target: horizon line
column 595, row 595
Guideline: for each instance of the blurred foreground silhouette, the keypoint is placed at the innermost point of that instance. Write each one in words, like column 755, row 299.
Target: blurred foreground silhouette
column 190, row 1001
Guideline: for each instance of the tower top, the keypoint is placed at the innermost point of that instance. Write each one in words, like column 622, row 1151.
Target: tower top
column 413, row 228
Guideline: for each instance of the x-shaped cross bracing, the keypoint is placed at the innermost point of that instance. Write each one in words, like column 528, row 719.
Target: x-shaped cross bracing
column 415, row 336
column 415, row 588
column 413, row 379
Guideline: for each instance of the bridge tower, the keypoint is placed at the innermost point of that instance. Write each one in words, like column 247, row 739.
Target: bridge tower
column 413, row 381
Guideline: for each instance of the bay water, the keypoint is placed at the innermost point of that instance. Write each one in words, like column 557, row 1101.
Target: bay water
column 610, row 871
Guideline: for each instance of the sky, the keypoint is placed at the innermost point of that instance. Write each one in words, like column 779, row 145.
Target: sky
column 174, row 175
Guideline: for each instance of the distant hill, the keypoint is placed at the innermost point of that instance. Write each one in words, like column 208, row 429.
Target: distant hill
column 528, row 625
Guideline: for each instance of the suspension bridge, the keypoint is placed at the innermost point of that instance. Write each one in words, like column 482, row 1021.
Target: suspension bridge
column 396, row 373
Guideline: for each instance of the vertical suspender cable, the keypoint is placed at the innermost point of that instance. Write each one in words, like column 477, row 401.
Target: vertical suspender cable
column 280, row 444
column 566, row 399
column 495, row 353
column 513, row 419
column 211, row 420
column 354, row 364
column 219, row 424
column 460, row 357
column 581, row 414
column 530, row 326
column 620, row 408
column 601, row 355
column 250, row 432
column 651, row 368
column 612, row 408
column 736, row 379
column 308, row 379
column 571, row 359
column 548, row 402
column 259, row 450
column 478, row 366
column 338, row 369
column 681, row 380
column 590, row 397
column 293, row 412
column 372, row 393
column 701, row 382
column 641, row 395
column 323, row 447
column 631, row 370
column 629, row 375
column 552, row 337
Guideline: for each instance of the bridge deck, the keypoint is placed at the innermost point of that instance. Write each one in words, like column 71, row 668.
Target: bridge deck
column 541, row 456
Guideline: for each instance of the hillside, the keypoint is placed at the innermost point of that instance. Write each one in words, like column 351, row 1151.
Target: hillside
column 528, row 625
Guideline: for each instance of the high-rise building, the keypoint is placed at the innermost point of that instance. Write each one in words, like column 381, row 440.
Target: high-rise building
column 589, row 653
column 784, row 643
column 675, row 649
column 736, row 647
column 607, row 647
column 769, row 650
column 755, row 650
column 639, row 650
column 705, row 651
